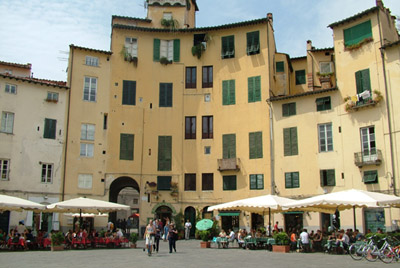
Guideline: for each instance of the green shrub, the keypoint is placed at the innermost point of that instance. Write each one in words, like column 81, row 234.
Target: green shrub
column 282, row 238
column 57, row 239
column 205, row 235
column 133, row 237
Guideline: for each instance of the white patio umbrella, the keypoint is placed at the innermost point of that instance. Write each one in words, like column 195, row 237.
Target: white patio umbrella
column 85, row 205
column 343, row 200
column 86, row 215
column 13, row 203
column 259, row 204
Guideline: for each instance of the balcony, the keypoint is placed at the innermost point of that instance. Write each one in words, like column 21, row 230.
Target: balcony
column 228, row 164
column 353, row 105
column 365, row 158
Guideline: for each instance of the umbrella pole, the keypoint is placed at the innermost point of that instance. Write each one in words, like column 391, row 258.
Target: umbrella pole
column 269, row 222
column 354, row 216
column 80, row 218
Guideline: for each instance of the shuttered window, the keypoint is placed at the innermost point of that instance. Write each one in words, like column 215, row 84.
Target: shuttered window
column 129, row 92
column 229, row 183
column 207, row 180
column 300, row 77
column 254, row 88
column 357, row 34
column 323, row 104
column 49, row 128
column 292, row 180
column 190, row 182
column 228, row 47
column 169, row 49
column 280, row 66
column 126, row 146
column 289, row 109
column 228, row 92
column 165, row 95
column 370, row 176
column 253, row 43
column 363, row 83
column 256, row 182
column 255, row 145
column 290, row 141
column 164, row 183
column 229, row 146
column 327, row 177
column 164, row 153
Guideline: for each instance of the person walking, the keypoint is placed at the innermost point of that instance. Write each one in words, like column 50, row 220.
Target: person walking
column 157, row 236
column 172, row 237
column 149, row 236
column 188, row 227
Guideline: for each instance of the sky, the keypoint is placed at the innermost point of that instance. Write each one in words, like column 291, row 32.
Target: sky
column 40, row 31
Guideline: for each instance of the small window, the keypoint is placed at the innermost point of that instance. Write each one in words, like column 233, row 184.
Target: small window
column 4, row 169
column 207, row 97
column 325, row 137
column 126, row 146
column 253, row 43
column 289, row 109
column 325, row 67
column 90, row 89
column 300, row 77
column 256, row 182
column 327, row 177
column 87, row 132
column 207, row 180
column 254, row 89
column 228, row 92
column 85, row 181
column 47, row 173
column 292, row 180
column 207, row 149
column 52, row 96
column 86, row 149
column 190, row 77
column 255, row 145
column 207, row 127
column 228, row 47
column 207, row 80
column 92, row 61
column 190, row 182
column 290, row 146
column 229, row 146
column 164, row 183
column 370, row 177
column 49, row 128
column 280, row 66
column 323, row 104
column 164, row 153
column 12, row 89
column 105, row 121
column 165, row 95
column 190, row 127
column 128, row 92
column 229, row 183
column 7, row 122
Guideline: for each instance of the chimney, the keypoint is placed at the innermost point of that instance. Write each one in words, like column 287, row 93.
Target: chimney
column 310, row 74
column 379, row 3
column 270, row 18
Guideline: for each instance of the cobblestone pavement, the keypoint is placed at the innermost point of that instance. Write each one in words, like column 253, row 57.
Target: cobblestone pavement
column 189, row 254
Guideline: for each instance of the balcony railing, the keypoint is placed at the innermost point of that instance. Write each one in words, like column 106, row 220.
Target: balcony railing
column 369, row 157
column 228, row 164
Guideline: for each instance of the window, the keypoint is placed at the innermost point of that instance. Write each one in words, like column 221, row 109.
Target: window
column 228, row 47
column 49, row 128
column 325, row 67
column 164, row 183
column 90, row 89
column 167, row 16
column 229, row 146
column 327, row 177
column 86, row 149
column 87, row 132
column 229, row 183
column 131, row 47
column 207, row 77
column 228, row 92
column 92, row 61
column 290, row 141
column 280, row 66
column 129, row 92
column 47, row 173
column 190, row 127
column 7, row 122
column 164, row 153
column 52, row 96
column 254, row 89
column 300, row 77
column 370, row 176
column 207, row 127
column 363, row 84
column 207, row 149
column 105, row 121
column 256, row 182
column 4, row 169
column 191, row 77
column 323, row 104
column 165, row 95
column 253, row 43
column 357, row 34
column 289, row 109
column 12, row 89
column 325, row 137
column 85, row 181
column 255, row 145
column 207, row 180
column 368, row 144
column 292, row 180
column 190, row 182
column 169, row 49
column 126, row 146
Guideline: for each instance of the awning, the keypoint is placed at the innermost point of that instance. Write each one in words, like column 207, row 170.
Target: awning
column 229, row 214
column 293, row 212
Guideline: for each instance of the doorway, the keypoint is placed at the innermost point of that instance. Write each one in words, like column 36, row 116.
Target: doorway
column 190, row 213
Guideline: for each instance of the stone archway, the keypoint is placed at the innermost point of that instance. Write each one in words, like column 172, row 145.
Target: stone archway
column 190, row 214
column 115, row 188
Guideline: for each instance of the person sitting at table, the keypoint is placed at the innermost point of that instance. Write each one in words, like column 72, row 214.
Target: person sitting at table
column 231, row 237
column 68, row 239
column 240, row 238
column 293, row 240
column 222, row 234
column 223, row 239
column 317, row 241
column 120, row 235
column 305, row 240
column 344, row 239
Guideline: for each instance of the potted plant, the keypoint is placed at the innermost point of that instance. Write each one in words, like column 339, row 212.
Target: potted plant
column 205, row 237
column 133, row 238
column 198, row 49
column 282, row 242
column 165, row 61
column 57, row 240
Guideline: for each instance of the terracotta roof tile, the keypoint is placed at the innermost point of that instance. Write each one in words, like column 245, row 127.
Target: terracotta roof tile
column 44, row 82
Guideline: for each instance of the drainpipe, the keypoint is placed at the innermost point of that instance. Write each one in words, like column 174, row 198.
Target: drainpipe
column 387, row 106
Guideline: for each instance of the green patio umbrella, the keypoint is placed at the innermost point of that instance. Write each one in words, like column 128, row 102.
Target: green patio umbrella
column 204, row 224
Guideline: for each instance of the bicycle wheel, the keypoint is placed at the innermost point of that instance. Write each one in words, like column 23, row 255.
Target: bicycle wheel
column 386, row 255
column 355, row 252
column 371, row 254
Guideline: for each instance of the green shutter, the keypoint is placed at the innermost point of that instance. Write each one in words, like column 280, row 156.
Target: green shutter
column 295, row 180
column 129, row 93
column 330, row 174
column 357, row 33
column 250, row 83
column 293, row 140
column 300, row 77
column 164, row 183
column 321, row 178
column 164, row 153
column 156, row 49
column 288, row 180
column 225, row 92
column 224, row 47
column 231, row 44
column 359, row 82
column 259, row 145
column 253, row 181
column 232, row 99
column 225, row 147
column 257, row 88
column 292, row 108
column 169, row 94
column 285, row 109
column 280, row 67
column 163, row 95
column 126, row 146
column 286, row 142
column 366, row 83
column 370, row 176
column 260, row 181
column 252, row 145
column 177, row 49
column 228, row 146
column 49, row 128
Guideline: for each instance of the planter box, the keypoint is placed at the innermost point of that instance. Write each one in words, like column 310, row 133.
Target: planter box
column 57, row 248
column 280, row 248
column 205, row 244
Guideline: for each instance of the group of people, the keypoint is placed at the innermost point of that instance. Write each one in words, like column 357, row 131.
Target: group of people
column 155, row 231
